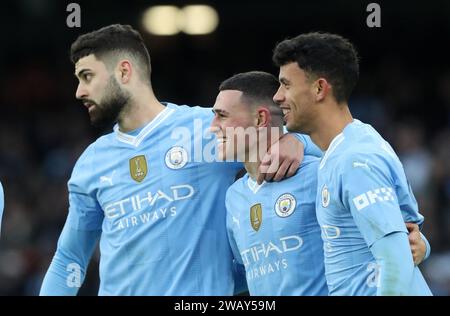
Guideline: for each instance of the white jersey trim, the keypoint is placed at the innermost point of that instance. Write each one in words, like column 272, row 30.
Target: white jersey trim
column 137, row 140
column 254, row 186
column 334, row 143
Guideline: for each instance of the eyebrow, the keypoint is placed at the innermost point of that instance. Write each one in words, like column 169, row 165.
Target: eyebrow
column 81, row 72
column 284, row 80
column 219, row 111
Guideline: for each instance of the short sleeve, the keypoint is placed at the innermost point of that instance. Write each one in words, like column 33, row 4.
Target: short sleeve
column 368, row 191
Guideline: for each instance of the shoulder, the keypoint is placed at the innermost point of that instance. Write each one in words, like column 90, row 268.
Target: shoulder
column 235, row 188
column 309, row 162
column 308, row 168
column 101, row 143
column 190, row 110
column 84, row 166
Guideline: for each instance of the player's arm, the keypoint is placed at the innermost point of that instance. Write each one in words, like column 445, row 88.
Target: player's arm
column 80, row 233
column 311, row 149
column 68, row 267
column 394, row 260
column 284, row 157
column 368, row 192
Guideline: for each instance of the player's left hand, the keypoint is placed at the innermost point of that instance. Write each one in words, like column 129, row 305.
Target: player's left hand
column 418, row 246
column 282, row 159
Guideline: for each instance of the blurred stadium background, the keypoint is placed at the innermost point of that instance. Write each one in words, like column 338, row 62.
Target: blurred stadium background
column 404, row 91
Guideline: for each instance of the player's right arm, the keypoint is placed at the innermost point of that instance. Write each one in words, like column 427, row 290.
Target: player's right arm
column 68, row 268
column 80, row 234
column 368, row 191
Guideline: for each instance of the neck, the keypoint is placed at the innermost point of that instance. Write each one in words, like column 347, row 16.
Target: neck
column 271, row 138
column 252, row 169
column 143, row 107
column 329, row 124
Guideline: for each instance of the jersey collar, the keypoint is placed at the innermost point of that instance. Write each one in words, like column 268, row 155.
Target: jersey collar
column 135, row 140
column 253, row 185
column 338, row 140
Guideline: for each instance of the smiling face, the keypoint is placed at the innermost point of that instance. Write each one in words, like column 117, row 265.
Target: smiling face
column 99, row 91
column 295, row 97
column 231, row 117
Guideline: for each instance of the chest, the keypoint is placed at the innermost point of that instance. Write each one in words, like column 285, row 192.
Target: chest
column 155, row 174
column 272, row 216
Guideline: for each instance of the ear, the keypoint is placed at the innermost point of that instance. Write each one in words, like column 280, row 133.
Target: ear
column 124, row 71
column 263, row 117
column 321, row 89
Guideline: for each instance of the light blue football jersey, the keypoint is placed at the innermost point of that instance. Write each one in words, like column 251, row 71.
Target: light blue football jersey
column 363, row 196
column 274, row 233
column 161, row 212
column 2, row 205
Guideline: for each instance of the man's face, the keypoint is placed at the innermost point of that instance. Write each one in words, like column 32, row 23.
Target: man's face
column 231, row 117
column 99, row 91
column 295, row 98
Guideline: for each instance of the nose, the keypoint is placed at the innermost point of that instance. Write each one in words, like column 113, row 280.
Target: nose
column 279, row 96
column 215, row 125
column 81, row 92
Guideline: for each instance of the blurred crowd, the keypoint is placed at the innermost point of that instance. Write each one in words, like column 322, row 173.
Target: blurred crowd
column 43, row 131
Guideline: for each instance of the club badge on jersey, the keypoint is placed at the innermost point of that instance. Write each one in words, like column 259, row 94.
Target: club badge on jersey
column 285, row 205
column 325, row 196
column 176, row 157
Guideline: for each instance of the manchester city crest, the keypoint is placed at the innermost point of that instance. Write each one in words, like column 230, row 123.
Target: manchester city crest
column 256, row 216
column 176, row 157
column 325, row 196
column 285, row 205
column 138, row 168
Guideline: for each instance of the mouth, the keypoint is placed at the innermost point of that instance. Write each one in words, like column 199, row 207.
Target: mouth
column 286, row 110
column 221, row 140
column 89, row 105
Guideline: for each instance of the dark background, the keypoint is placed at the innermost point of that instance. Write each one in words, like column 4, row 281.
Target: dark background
column 404, row 91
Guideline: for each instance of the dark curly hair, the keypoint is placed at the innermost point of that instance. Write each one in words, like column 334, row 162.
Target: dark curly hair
column 322, row 55
column 111, row 42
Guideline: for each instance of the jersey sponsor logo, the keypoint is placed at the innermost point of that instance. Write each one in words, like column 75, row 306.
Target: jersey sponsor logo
column 145, row 218
column 148, row 200
column 138, row 168
column 265, row 269
column 372, row 197
column 263, row 250
column 285, row 205
column 325, row 196
column 176, row 158
column 256, row 216
column 328, row 234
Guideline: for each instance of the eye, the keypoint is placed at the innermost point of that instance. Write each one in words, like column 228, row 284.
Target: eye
column 87, row 77
column 219, row 114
